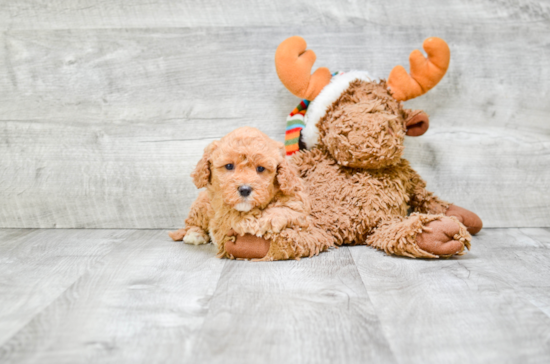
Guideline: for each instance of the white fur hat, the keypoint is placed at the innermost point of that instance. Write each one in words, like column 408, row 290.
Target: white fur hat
column 305, row 119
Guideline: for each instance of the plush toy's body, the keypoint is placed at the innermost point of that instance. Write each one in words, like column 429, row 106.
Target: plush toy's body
column 361, row 190
column 371, row 206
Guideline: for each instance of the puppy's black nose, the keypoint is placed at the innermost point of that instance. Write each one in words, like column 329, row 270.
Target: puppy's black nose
column 245, row 191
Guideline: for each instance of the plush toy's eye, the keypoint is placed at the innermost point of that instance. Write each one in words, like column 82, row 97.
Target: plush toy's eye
column 229, row 166
column 260, row 169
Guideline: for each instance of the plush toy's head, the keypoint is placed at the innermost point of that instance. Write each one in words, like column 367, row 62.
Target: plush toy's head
column 358, row 120
column 246, row 169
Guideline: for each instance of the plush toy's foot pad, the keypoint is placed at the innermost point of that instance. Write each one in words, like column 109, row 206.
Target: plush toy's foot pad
column 442, row 237
column 472, row 222
column 248, row 246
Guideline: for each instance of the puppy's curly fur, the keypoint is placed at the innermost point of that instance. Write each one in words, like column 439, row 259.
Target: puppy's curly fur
column 277, row 209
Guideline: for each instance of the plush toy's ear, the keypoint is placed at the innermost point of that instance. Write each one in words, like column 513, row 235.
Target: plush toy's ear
column 201, row 174
column 288, row 179
column 416, row 122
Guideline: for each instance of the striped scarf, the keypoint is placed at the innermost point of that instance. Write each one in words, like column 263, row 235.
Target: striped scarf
column 294, row 125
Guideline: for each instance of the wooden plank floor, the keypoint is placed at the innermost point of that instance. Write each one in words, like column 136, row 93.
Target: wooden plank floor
column 75, row 296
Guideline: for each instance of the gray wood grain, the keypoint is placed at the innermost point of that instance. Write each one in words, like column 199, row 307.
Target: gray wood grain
column 31, row 259
column 66, row 14
column 309, row 311
column 102, row 296
column 127, row 296
column 522, row 262
column 105, row 107
column 488, row 306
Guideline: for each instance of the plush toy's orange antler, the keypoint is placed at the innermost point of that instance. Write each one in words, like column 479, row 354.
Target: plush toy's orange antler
column 425, row 73
column 294, row 63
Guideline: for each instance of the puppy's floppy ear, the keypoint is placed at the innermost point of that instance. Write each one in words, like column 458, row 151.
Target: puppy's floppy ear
column 416, row 122
column 201, row 174
column 288, row 179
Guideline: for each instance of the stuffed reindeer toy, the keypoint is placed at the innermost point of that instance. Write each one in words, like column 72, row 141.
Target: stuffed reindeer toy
column 351, row 128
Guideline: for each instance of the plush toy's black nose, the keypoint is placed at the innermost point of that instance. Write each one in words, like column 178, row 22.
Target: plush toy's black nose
column 245, row 191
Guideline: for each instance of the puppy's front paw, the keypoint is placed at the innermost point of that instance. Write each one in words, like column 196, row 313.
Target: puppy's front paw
column 195, row 238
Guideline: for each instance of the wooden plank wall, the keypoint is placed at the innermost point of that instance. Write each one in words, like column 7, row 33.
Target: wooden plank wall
column 105, row 107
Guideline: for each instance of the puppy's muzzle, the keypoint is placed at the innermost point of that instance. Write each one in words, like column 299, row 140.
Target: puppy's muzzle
column 244, row 190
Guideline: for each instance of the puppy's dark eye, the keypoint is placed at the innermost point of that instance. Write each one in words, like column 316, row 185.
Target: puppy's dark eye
column 229, row 166
column 260, row 169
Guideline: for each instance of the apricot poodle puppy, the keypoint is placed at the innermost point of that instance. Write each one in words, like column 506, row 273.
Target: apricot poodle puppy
column 255, row 205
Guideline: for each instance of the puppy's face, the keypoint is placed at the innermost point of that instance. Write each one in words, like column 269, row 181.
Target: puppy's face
column 245, row 169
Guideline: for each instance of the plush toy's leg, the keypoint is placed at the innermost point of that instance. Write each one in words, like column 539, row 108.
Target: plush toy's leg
column 246, row 246
column 288, row 244
column 472, row 222
column 298, row 243
column 421, row 236
column 424, row 201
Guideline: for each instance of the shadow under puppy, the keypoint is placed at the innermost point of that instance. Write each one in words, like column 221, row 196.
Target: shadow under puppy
column 254, row 205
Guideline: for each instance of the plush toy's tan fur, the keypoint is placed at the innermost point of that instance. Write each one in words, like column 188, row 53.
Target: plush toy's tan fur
column 274, row 218
column 360, row 187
